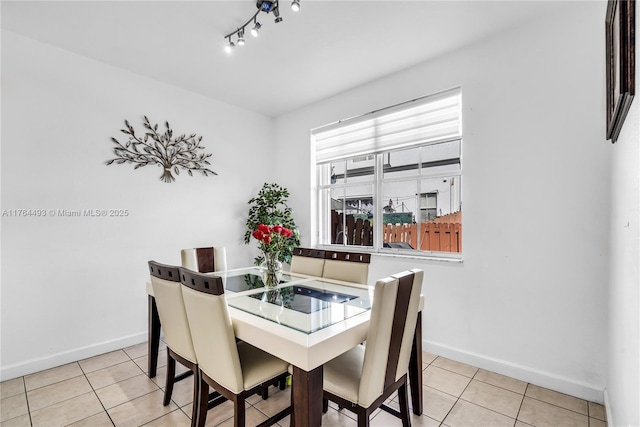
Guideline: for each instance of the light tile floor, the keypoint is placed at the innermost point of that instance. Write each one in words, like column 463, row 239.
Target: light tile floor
column 113, row 390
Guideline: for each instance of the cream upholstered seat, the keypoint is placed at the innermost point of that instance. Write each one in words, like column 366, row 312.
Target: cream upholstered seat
column 234, row 369
column 365, row 376
column 347, row 266
column 165, row 281
column 307, row 261
column 204, row 260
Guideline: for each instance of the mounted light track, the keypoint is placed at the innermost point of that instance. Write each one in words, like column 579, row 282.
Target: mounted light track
column 266, row 6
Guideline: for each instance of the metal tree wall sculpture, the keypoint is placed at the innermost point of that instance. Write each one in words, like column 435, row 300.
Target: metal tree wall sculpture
column 162, row 149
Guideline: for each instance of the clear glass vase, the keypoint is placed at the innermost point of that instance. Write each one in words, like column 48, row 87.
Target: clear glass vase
column 271, row 269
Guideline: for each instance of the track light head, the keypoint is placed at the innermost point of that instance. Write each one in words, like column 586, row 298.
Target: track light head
column 295, row 5
column 276, row 12
column 229, row 47
column 256, row 29
column 241, row 37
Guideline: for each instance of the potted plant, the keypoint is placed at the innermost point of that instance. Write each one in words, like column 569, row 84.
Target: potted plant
column 270, row 208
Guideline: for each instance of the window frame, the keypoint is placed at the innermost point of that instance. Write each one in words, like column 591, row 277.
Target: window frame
column 323, row 188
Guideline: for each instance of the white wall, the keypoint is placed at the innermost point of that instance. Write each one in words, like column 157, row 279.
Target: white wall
column 75, row 287
column 623, row 388
column 529, row 300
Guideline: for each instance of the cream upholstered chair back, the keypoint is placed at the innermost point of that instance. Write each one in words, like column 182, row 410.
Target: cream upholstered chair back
column 165, row 281
column 346, row 266
column 211, row 329
column 204, row 260
column 394, row 314
column 307, row 261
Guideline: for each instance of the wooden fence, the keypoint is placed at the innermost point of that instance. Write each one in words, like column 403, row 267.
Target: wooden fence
column 358, row 231
column 443, row 234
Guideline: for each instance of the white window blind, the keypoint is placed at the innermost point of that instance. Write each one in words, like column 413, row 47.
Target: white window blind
column 430, row 119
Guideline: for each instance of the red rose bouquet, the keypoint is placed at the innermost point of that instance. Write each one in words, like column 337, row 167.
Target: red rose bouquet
column 272, row 240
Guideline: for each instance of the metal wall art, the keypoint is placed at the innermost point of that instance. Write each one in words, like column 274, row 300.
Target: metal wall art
column 620, row 40
column 162, row 149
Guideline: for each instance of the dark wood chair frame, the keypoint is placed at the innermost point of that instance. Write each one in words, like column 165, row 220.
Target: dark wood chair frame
column 213, row 285
column 171, row 273
column 415, row 364
column 206, row 260
column 390, row 384
column 348, row 256
column 206, row 263
column 309, row 253
column 334, row 255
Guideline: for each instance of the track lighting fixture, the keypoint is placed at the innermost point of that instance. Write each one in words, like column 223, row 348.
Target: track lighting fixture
column 256, row 28
column 266, row 6
column 229, row 47
column 278, row 19
column 241, row 37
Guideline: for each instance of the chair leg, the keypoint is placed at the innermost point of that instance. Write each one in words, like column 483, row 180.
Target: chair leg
column 203, row 401
column 154, row 335
column 325, row 405
column 238, row 411
column 196, row 398
column 171, row 377
column 264, row 392
column 363, row 419
column 404, row 406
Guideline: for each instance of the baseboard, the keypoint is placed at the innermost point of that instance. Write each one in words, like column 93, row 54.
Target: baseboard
column 607, row 408
column 528, row 374
column 40, row 364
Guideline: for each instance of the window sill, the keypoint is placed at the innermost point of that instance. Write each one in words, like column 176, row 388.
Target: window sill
column 455, row 259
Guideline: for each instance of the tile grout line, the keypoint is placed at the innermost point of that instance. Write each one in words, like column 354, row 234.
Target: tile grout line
column 480, row 406
column 26, row 398
column 48, row 385
column 155, row 383
column 522, row 403
column 179, row 408
column 561, row 407
column 96, row 394
column 523, row 394
column 457, row 397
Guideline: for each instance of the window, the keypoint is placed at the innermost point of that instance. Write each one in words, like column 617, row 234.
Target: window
column 428, row 206
column 391, row 180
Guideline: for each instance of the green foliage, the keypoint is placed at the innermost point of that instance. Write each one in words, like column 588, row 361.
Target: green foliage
column 270, row 207
column 397, row 218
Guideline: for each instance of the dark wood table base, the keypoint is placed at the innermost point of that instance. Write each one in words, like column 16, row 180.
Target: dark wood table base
column 307, row 386
column 307, row 397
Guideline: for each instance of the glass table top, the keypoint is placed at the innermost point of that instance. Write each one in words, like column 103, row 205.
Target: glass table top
column 246, row 279
column 304, row 304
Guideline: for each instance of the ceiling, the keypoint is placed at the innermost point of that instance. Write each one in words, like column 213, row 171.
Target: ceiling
column 326, row 48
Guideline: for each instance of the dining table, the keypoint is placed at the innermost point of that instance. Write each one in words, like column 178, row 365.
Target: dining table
column 305, row 321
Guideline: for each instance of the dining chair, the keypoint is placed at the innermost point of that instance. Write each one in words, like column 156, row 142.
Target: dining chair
column 346, row 266
column 204, row 260
column 307, row 261
column 235, row 370
column 165, row 280
column 361, row 379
